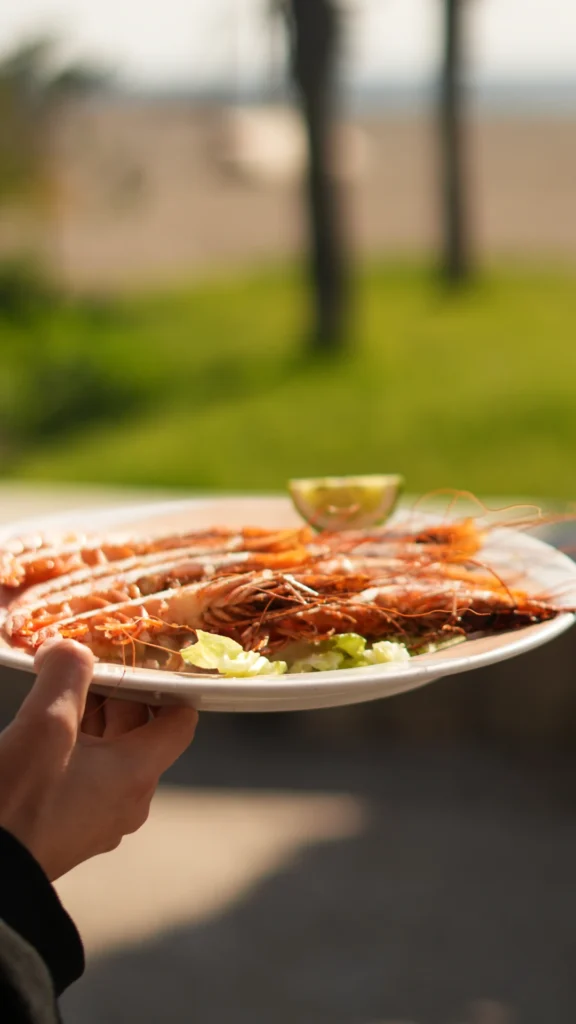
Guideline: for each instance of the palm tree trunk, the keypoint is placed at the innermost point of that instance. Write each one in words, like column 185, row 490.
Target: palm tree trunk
column 455, row 260
column 314, row 27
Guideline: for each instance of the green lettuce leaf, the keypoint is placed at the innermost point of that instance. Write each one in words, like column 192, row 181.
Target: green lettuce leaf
column 352, row 644
column 226, row 656
column 385, row 651
column 344, row 650
column 347, row 650
column 318, row 661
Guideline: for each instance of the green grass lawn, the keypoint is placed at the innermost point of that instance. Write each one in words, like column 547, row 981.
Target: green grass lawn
column 208, row 387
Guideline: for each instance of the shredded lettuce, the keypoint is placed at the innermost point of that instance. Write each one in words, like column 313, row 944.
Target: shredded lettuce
column 223, row 655
column 348, row 650
column 352, row 644
column 385, row 651
column 344, row 650
column 319, row 661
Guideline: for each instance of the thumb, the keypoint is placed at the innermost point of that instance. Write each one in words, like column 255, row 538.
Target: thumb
column 58, row 697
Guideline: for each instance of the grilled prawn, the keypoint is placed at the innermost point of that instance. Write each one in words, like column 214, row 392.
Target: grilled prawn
column 27, row 561
column 267, row 610
column 48, row 603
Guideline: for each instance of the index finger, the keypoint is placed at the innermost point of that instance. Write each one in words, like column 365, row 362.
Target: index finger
column 162, row 740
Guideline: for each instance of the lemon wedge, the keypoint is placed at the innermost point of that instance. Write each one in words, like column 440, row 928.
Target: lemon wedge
column 346, row 502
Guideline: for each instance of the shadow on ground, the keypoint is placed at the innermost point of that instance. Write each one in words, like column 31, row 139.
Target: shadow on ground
column 459, row 893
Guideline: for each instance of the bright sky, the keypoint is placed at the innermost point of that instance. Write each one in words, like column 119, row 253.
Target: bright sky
column 172, row 42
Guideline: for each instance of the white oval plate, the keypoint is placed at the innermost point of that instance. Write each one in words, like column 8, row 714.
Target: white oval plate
column 547, row 568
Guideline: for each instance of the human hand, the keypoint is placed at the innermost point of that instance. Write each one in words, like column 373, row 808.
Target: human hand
column 78, row 772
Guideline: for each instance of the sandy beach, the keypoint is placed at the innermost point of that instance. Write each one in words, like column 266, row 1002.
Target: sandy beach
column 147, row 192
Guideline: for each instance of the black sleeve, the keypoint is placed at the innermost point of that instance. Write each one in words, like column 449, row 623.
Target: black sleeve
column 40, row 949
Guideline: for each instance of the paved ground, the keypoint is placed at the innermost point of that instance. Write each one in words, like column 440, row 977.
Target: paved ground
column 296, row 875
column 297, row 885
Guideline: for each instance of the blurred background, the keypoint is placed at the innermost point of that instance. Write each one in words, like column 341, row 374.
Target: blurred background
column 243, row 240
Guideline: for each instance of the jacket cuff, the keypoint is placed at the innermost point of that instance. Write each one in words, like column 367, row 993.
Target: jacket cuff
column 30, row 906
